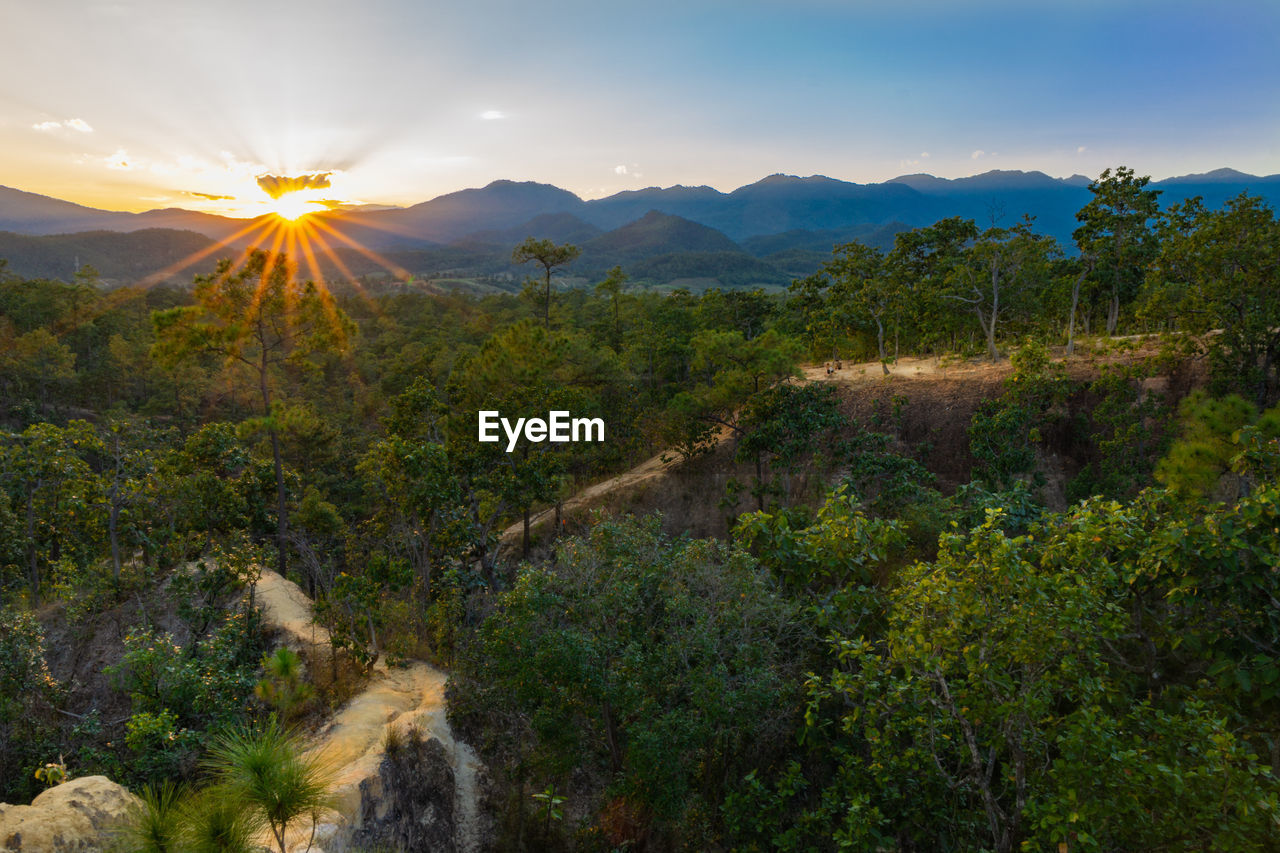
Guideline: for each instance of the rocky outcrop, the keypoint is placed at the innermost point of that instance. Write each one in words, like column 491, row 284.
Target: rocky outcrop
column 431, row 793
column 412, row 804
column 79, row 816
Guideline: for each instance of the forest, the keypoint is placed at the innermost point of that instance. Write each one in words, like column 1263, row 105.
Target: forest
column 1066, row 640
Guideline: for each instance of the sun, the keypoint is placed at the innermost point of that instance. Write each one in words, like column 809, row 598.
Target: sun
column 290, row 206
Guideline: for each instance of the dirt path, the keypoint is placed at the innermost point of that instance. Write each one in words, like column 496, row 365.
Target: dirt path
column 650, row 469
column 352, row 742
column 655, row 467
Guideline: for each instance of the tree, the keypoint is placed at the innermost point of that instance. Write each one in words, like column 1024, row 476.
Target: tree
column 918, row 265
column 730, row 370
column 52, row 489
column 258, row 317
column 1217, row 271
column 267, row 771
column 549, row 256
column 788, row 425
column 661, row 664
column 37, row 362
column 611, row 288
column 996, row 273
column 1117, row 241
column 859, row 293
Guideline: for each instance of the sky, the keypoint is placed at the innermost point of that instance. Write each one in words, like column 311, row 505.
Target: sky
column 137, row 104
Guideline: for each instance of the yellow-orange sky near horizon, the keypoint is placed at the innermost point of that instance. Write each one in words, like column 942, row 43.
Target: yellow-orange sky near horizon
column 139, row 104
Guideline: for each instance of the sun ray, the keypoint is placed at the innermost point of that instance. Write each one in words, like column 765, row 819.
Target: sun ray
column 268, row 266
column 308, row 252
column 395, row 268
column 359, row 222
column 346, row 271
column 197, row 256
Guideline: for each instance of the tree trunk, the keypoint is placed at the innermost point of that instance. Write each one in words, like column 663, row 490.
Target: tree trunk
column 546, row 310
column 759, row 483
column 281, row 510
column 33, row 564
column 113, row 525
column 526, row 532
column 1071, row 320
column 282, row 522
column 884, row 362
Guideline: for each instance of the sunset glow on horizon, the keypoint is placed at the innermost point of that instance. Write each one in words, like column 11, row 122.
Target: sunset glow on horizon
column 152, row 104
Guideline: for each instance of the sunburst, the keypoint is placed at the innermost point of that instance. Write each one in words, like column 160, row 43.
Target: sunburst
column 293, row 207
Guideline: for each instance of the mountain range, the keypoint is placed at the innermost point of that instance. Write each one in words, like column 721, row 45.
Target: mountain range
column 767, row 232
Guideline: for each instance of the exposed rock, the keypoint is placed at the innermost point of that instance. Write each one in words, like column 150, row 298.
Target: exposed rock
column 76, row 817
column 434, row 795
column 410, row 804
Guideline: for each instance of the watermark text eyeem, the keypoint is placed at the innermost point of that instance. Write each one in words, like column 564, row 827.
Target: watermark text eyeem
column 559, row 426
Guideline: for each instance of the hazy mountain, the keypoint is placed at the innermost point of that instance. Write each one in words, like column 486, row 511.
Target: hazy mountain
column 557, row 227
column 658, row 233
column 500, row 205
column 29, row 213
column 783, row 223
column 696, row 203
column 119, row 258
column 879, row 236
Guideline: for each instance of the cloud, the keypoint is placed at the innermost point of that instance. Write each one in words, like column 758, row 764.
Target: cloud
column 121, row 161
column 493, row 115
column 278, row 185
column 1080, row 149
column 924, row 155
column 977, row 154
column 619, row 170
column 209, row 196
column 76, row 124
column 632, row 171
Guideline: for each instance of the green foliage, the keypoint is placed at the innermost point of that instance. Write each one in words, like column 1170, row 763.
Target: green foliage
column 212, row 821
column 785, row 429
column 1005, row 432
column 28, row 692
column 661, row 664
column 1128, row 427
column 1199, row 463
column 852, row 292
column 838, row 549
column 46, row 472
column 178, row 693
column 1117, row 239
column 1215, row 277
column 1174, row 779
column 999, row 275
column 153, row 826
column 1074, row 686
column 283, row 687
column 732, row 370
column 549, row 256
column 265, row 772
column 159, row 748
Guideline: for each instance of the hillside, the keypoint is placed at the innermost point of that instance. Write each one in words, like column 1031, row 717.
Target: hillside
column 773, row 205
column 119, row 258
column 936, row 398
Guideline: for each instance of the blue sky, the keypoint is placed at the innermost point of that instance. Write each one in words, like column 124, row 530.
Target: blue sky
column 142, row 103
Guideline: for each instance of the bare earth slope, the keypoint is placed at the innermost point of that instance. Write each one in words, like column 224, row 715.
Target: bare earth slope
column 352, row 741
column 938, row 398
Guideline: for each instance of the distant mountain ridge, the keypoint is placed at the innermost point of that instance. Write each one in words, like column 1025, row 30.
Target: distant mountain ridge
column 772, row 205
column 767, row 232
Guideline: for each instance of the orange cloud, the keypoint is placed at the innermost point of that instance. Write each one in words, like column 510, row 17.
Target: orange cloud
column 278, row 185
